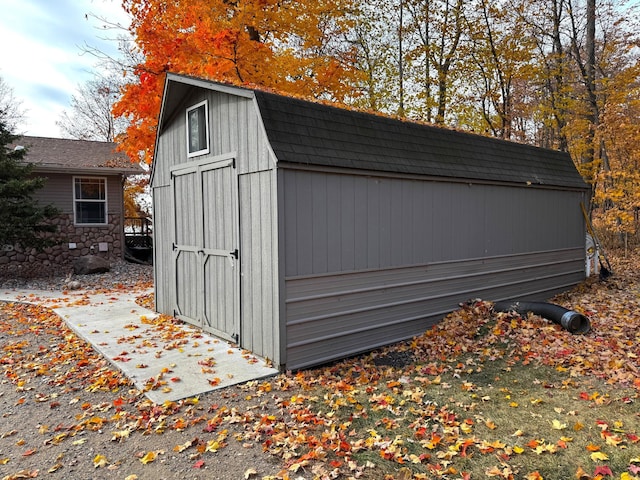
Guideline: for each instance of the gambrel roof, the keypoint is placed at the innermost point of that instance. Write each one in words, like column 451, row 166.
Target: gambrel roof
column 309, row 133
column 76, row 156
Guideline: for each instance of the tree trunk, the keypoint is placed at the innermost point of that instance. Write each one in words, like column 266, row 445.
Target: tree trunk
column 401, row 62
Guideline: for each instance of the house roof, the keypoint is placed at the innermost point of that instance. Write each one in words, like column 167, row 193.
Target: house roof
column 76, row 156
column 309, row 133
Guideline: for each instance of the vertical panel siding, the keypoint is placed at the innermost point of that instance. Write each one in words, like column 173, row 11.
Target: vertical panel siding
column 391, row 222
column 258, row 256
column 162, row 254
column 233, row 126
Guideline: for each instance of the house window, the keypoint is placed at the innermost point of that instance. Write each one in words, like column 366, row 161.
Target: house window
column 197, row 130
column 90, row 200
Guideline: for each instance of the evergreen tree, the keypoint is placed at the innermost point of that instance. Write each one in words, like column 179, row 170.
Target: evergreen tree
column 22, row 219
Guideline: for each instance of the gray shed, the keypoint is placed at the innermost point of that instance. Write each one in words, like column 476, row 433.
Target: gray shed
column 307, row 233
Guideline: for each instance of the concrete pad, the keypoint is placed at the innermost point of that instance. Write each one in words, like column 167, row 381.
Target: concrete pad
column 170, row 360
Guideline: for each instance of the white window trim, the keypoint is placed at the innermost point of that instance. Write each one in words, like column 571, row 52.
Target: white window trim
column 105, row 201
column 204, row 151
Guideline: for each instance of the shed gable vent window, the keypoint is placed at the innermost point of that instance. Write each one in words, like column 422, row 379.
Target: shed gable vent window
column 197, row 130
column 90, row 200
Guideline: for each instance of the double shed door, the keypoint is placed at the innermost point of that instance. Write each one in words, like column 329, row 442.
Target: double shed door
column 205, row 246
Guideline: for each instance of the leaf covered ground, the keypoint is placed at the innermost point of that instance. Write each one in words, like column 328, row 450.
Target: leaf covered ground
column 480, row 395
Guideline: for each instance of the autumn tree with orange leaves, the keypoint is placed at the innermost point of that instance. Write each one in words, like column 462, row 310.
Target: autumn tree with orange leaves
column 289, row 46
column 516, row 69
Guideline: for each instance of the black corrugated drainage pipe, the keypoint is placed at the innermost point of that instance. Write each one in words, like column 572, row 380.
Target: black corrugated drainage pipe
column 571, row 321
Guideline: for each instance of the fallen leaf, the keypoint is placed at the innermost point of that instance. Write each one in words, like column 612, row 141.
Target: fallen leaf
column 23, row 474
column 599, row 456
column 582, row 475
column 148, row 458
column 99, row 461
column 603, row 470
column 557, row 425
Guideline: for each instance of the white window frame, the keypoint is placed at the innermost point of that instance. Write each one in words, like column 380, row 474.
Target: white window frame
column 76, row 200
column 202, row 151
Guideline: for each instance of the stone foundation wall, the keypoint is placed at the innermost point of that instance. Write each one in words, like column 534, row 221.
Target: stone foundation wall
column 57, row 260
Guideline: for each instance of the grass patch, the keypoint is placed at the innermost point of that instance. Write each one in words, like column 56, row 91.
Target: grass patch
column 500, row 420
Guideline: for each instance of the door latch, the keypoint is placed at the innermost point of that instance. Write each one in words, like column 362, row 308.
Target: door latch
column 234, row 254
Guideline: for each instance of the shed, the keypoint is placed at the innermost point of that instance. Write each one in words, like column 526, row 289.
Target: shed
column 307, row 233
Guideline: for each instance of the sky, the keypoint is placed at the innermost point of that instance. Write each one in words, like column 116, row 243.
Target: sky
column 41, row 55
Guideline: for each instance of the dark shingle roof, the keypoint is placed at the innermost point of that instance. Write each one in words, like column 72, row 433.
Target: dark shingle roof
column 304, row 132
column 75, row 155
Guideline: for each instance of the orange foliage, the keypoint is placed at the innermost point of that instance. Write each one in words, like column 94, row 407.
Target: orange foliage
column 266, row 43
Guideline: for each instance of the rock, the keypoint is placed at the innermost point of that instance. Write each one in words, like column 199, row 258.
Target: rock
column 73, row 285
column 90, row 264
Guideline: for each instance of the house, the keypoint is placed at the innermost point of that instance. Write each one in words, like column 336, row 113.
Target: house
column 308, row 233
column 85, row 182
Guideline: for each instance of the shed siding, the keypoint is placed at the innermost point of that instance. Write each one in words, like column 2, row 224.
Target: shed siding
column 234, row 126
column 372, row 260
column 332, row 316
column 393, row 222
column 259, row 249
column 162, row 254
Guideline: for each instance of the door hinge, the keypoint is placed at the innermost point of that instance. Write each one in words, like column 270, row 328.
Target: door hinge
column 234, row 254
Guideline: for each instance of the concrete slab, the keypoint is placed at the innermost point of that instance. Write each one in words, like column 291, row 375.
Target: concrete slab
column 170, row 360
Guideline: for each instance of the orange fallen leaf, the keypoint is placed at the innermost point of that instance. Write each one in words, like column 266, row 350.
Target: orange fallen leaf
column 533, row 476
